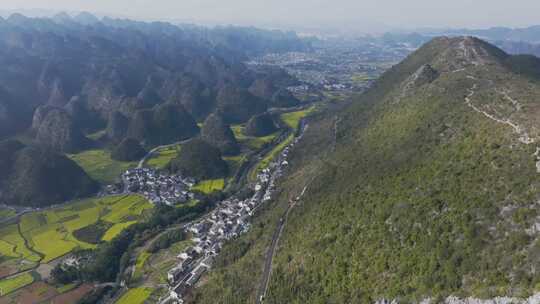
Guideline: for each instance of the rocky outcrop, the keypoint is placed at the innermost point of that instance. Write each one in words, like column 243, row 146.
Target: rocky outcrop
column 217, row 133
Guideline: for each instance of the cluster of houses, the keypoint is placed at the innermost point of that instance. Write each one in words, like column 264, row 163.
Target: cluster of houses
column 158, row 187
column 227, row 221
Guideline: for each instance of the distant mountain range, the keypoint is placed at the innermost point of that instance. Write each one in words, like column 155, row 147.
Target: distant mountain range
column 67, row 76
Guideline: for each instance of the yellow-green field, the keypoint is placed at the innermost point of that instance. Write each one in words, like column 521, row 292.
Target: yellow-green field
column 51, row 232
column 10, row 285
column 135, row 296
column 209, row 186
column 139, row 264
column 252, row 142
column 292, row 119
column 163, row 157
column 12, row 244
column 115, row 230
column 100, row 166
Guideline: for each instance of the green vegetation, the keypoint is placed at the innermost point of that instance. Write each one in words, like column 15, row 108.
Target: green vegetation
column 292, row 119
column 254, row 143
column 420, row 196
column 116, row 229
column 108, row 262
column 10, row 285
column 135, row 296
column 128, row 150
column 161, row 261
column 139, row 264
column 6, row 213
column 167, row 239
column 270, row 157
column 100, row 166
column 53, row 232
column 12, row 244
column 209, row 186
column 200, row 160
column 163, row 157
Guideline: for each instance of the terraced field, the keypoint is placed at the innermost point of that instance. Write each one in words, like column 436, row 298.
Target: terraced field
column 100, row 166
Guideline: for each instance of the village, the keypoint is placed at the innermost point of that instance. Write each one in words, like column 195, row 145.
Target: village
column 156, row 186
column 227, row 221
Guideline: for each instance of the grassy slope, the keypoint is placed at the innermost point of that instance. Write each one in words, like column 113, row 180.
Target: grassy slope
column 421, row 198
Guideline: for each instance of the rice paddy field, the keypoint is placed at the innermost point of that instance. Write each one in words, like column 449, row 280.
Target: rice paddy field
column 163, row 157
column 254, row 143
column 209, row 186
column 51, row 232
column 292, row 119
column 100, row 166
column 12, row 284
column 135, row 296
column 40, row 237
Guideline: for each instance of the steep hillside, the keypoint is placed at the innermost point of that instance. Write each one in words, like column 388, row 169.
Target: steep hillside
column 426, row 186
column 96, row 69
column 38, row 177
column 220, row 135
column 199, row 160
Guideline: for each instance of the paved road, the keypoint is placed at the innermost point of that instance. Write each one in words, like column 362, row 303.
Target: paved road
column 261, row 293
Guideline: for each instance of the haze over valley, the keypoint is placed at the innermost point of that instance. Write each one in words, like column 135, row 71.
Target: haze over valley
column 307, row 152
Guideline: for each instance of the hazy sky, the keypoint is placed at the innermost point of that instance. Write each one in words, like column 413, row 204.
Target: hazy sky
column 363, row 15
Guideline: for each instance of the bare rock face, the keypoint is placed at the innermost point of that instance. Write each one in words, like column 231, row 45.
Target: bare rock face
column 55, row 129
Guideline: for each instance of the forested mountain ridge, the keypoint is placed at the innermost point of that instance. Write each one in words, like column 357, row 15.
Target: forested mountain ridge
column 66, row 78
column 93, row 68
column 426, row 186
